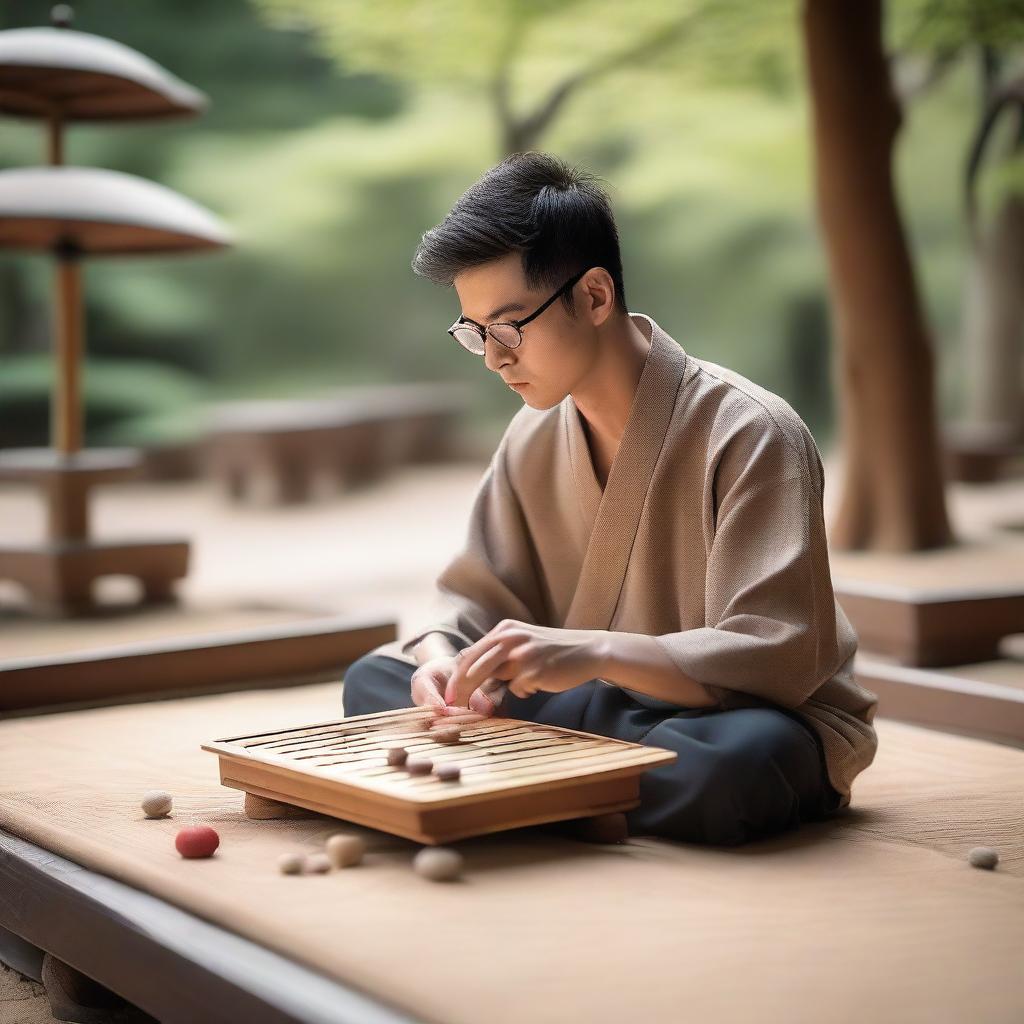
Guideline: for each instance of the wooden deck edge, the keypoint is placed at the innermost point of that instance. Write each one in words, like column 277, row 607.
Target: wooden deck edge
column 172, row 964
column 952, row 703
column 883, row 591
column 208, row 662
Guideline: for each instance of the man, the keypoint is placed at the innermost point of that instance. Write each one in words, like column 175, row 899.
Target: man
column 646, row 554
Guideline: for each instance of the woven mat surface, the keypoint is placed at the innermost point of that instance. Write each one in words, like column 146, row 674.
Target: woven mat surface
column 874, row 915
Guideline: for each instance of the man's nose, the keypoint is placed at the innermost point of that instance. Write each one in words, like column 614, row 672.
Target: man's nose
column 495, row 354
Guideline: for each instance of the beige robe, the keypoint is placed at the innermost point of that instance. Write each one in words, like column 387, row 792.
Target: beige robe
column 709, row 535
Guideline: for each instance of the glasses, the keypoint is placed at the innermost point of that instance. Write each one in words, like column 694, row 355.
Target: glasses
column 470, row 335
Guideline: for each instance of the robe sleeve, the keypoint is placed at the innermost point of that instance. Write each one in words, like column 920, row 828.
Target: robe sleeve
column 770, row 608
column 495, row 575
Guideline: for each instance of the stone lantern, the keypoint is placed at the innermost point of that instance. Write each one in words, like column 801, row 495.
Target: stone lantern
column 59, row 75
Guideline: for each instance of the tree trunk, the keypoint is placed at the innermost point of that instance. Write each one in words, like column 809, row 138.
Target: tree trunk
column 517, row 137
column 994, row 328
column 893, row 495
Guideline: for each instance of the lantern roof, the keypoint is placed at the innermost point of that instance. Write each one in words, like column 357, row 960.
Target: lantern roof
column 85, row 77
column 100, row 212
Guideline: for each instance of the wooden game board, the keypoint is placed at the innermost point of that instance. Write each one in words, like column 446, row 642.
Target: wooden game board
column 514, row 773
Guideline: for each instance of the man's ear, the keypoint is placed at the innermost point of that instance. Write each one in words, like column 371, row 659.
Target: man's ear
column 598, row 294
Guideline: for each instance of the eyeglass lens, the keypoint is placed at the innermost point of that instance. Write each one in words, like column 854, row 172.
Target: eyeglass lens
column 469, row 337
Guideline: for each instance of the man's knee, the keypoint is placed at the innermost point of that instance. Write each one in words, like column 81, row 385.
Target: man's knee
column 720, row 807
column 369, row 686
column 724, row 792
column 357, row 680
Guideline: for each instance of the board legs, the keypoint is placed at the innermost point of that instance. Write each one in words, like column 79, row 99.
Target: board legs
column 261, row 808
column 601, row 828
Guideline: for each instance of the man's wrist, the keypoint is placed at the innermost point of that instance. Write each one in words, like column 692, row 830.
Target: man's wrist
column 636, row 661
column 433, row 645
column 601, row 652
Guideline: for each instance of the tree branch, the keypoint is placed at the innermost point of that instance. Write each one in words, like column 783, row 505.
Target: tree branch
column 532, row 125
column 1010, row 96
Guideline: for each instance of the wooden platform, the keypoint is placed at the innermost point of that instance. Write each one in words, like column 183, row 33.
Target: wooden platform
column 932, row 628
column 213, row 939
column 934, row 608
column 514, row 773
column 981, row 456
column 175, row 964
column 984, row 699
column 59, row 574
column 300, row 651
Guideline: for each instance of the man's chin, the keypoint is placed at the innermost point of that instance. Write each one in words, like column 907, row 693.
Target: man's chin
column 538, row 402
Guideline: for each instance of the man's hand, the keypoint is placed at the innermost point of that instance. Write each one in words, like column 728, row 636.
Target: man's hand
column 528, row 657
column 429, row 683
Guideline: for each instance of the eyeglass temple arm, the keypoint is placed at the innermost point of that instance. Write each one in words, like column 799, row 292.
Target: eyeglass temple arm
column 534, row 314
column 537, row 312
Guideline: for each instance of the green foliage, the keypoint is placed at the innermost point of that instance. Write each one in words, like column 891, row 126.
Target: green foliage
column 256, row 80
column 939, row 26
column 338, row 133
column 113, row 391
column 465, row 44
column 157, row 430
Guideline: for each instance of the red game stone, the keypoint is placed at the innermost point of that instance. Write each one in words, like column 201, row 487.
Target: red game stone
column 196, row 841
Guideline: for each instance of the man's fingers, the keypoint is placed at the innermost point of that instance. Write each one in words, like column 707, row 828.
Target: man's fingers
column 524, row 685
column 487, row 697
column 486, row 650
column 484, row 663
column 490, row 664
column 426, row 689
column 482, row 703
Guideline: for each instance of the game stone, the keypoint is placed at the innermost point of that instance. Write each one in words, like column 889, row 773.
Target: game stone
column 345, row 850
column 983, row 857
column 290, row 863
column 156, row 803
column 438, row 863
column 317, row 863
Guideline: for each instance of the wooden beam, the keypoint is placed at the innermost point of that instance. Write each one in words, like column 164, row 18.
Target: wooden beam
column 161, row 958
column 945, row 700
column 238, row 660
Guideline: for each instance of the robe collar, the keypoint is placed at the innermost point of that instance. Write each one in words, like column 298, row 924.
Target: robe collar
column 613, row 515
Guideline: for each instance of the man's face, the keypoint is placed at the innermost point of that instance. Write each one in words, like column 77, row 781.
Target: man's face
column 556, row 349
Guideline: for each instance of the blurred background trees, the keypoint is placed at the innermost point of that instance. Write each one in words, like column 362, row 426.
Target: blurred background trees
column 338, row 133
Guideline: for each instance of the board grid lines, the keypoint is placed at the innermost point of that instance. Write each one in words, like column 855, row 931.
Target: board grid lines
column 340, row 767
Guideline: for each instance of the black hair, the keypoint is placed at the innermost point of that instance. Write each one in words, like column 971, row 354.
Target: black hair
column 557, row 216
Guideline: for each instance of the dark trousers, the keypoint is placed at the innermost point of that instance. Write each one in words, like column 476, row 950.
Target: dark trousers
column 741, row 774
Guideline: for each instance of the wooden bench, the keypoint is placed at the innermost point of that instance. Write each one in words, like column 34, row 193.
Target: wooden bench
column 978, row 456
column 291, row 451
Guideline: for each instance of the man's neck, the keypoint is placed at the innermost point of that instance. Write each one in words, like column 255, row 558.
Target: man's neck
column 605, row 397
